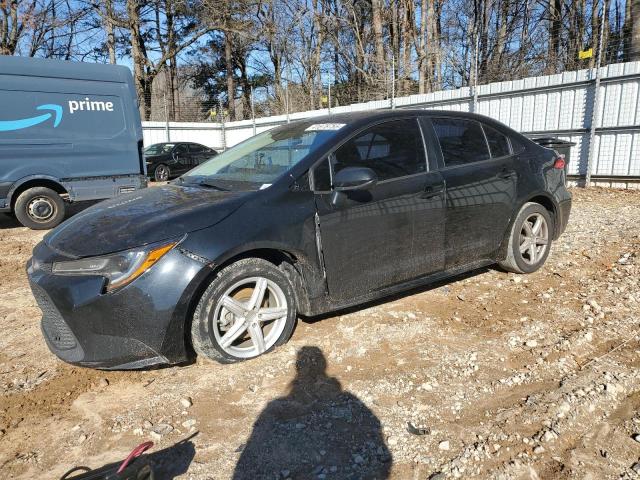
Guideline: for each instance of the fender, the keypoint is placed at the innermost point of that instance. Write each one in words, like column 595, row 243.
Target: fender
column 502, row 250
column 306, row 280
column 18, row 183
column 310, row 282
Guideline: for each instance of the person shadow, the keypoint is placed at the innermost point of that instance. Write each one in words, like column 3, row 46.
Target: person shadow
column 318, row 430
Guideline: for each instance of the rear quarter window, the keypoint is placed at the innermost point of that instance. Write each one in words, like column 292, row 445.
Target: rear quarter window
column 498, row 142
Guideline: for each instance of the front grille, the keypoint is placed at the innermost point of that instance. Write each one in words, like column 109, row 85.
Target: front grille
column 55, row 328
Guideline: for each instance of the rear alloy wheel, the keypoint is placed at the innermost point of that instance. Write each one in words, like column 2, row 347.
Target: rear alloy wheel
column 161, row 173
column 39, row 208
column 530, row 239
column 248, row 310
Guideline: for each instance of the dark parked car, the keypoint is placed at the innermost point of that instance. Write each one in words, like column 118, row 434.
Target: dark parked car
column 303, row 219
column 169, row 160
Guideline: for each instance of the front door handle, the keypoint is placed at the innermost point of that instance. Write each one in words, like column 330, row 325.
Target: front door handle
column 431, row 191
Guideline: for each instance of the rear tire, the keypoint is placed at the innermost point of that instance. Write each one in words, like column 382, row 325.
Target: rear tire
column 248, row 309
column 39, row 208
column 162, row 173
column 530, row 239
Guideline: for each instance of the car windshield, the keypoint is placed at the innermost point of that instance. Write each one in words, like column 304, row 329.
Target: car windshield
column 260, row 160
column 158, row 148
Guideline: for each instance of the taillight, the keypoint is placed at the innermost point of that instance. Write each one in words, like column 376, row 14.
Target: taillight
column 559, row 163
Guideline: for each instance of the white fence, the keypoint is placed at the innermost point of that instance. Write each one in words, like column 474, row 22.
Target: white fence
column 555, row 105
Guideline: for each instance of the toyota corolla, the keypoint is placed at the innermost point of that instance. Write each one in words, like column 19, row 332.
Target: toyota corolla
column 303, row 219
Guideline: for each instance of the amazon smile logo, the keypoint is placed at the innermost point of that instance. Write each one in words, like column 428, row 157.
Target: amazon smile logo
column 56, row 113
column 9, row 125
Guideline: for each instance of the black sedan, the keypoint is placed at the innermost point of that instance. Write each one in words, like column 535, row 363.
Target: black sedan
column 169, row 160
column 303, row 219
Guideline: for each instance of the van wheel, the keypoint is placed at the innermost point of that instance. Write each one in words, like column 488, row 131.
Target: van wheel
column 39, row 208
column 247, row 310
column 161, row 173
column 530, row 239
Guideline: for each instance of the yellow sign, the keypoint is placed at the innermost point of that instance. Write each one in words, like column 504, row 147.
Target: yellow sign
column 582, row 54
column 324, row 99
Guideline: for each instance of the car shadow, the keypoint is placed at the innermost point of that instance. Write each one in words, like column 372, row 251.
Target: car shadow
column 191, row 355
column 167, row 464
column 400, row 295
column 316, row 430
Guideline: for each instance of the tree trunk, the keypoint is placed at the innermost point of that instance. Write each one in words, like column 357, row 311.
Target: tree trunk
column 485, row 15
column 11, row 26
column 316, row 73
column 632, row 31
column 376, row 15
column 407, row 25
column 109, row 28
column 171, row 63
column 231, row 89
column 555, row 25
column 421, row 48
column 395, row 43
column 501, row 41
column 138, row 54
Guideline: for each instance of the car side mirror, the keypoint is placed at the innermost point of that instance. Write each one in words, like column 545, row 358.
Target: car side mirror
column 354, row 178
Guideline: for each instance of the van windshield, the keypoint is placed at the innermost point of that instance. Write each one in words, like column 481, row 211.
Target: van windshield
column 158, row 148
column 260, row 160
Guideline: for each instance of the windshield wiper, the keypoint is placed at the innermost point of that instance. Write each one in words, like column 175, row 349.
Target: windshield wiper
column 205, row 183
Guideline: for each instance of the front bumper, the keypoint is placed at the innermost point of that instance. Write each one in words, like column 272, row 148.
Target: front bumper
column 140, row 325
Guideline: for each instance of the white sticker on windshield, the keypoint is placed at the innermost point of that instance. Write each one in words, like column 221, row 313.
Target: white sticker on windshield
column 324, row 126
column 265, row 185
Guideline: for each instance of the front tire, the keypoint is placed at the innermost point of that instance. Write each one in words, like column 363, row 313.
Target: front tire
column 530, row 239
column 247, row 310
column 39, row 208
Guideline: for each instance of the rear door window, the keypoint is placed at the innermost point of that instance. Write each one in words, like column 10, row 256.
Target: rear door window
column 462, row 141
column 498, row 143
column 196, row 148
column 392, row 149
column 182, row 148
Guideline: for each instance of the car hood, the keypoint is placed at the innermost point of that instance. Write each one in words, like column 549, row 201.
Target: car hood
column 142, row 217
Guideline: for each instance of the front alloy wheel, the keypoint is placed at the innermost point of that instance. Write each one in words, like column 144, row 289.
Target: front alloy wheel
column 247, row 310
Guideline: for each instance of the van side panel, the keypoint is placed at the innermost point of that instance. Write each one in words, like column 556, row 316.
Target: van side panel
column 83, row 131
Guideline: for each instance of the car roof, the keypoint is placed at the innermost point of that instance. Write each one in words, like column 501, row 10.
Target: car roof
column 179, row 143
column 358, row 119
column 349, row 117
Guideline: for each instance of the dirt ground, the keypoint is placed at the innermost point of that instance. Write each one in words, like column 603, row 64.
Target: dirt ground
column 492, row 375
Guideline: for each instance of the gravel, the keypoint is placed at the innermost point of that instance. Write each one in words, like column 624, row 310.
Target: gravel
column 513, row 376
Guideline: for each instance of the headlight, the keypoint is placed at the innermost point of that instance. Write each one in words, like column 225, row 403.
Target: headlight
column 119, row 268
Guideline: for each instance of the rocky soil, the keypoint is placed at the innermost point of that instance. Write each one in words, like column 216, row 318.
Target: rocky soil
column 491, row 375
